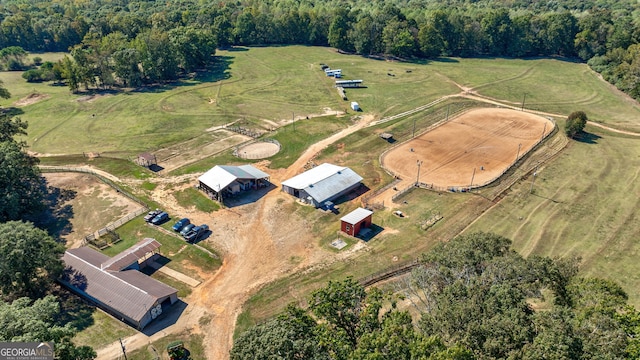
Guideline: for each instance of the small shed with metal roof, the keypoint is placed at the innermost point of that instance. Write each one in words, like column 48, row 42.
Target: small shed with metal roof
column 353, row 222
column 322, row 184
column 115, row 285
column 224, row 180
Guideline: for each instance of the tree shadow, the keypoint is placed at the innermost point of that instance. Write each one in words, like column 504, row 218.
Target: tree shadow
column 56, row 216
column 74, row 309
column 11, row 111
column 587, row 138
column 218, row 70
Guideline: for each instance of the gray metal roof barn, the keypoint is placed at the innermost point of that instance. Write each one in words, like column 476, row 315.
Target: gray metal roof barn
column 119, row 288
column 323, row 183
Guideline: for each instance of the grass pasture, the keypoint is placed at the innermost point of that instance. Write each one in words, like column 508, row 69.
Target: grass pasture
column 550, row 85
column 585, row 203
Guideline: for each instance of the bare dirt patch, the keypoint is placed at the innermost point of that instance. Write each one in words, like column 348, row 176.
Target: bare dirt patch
column 90, row 98
column 258, row 150
column 93, row 205
column 30, row 99
column 487, row 140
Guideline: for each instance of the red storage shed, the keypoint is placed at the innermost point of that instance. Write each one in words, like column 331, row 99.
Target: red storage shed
column 356, row 220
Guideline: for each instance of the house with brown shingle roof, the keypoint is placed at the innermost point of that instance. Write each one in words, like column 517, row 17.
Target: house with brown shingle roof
column 116, row 285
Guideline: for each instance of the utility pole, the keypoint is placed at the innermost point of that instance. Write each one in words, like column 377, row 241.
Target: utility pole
column 543, row 131
column 518, row 154
column 448, row 106
column 418, row 162
column 523, row 98
column 293, row 120
column 123, row 349
column 535, row 173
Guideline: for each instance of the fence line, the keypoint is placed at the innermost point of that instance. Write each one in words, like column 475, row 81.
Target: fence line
column 244, row 131
column 91, row 238
column 389, row 272
column 534, row 148
column 365, row 199
column 105, row 180
column 262, row 155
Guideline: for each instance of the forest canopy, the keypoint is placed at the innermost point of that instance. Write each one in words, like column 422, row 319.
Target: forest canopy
column 603, row 32
column 472, row 298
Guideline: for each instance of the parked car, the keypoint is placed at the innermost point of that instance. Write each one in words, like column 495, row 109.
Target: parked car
column 196, row 233
column 152, row 214
column 185, row 230
column 181, row 224
column 160, row 218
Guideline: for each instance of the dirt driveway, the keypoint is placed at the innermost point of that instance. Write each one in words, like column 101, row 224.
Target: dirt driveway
column 261, row 242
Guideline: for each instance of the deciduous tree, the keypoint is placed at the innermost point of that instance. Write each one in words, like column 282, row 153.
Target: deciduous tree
column 576, row 121
column 24, row 320
column 21, row 186
column 31, row 260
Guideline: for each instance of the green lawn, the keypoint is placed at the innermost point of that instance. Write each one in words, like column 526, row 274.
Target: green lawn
column 294, row 143
column 177, row 251
column 190, row 197
column 103, row 331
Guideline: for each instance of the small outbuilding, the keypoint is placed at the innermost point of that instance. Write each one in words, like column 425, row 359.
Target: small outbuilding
column 115, row 284
column 147, row 160
column 323, row 183
column 355, row 106
column 353, row 222
column 223, row 181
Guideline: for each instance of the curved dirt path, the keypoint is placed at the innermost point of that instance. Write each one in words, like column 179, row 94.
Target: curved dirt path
column 314, row 149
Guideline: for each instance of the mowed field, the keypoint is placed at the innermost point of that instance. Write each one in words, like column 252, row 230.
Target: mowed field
column 585, row 203
column 260, row 86
column 471, row 150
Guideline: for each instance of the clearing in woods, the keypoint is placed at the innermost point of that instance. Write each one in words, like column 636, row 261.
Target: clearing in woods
column 477, row 147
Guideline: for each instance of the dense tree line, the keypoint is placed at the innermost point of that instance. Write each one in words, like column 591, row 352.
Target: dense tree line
column 606, row 32
column 474, row 298
column 30, row 259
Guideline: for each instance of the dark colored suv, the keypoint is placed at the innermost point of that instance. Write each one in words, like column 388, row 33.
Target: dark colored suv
column 160, row 218
column 181, row 224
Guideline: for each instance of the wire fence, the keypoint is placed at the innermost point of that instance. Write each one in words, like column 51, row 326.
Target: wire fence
column 255, row 155
column 244, row 131
column 389, row 273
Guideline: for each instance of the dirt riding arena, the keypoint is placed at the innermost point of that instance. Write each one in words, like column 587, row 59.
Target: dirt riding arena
column 487, row 140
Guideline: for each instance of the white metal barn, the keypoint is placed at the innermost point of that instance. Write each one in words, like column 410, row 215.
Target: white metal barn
column 223, row 180
column 322, row 184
